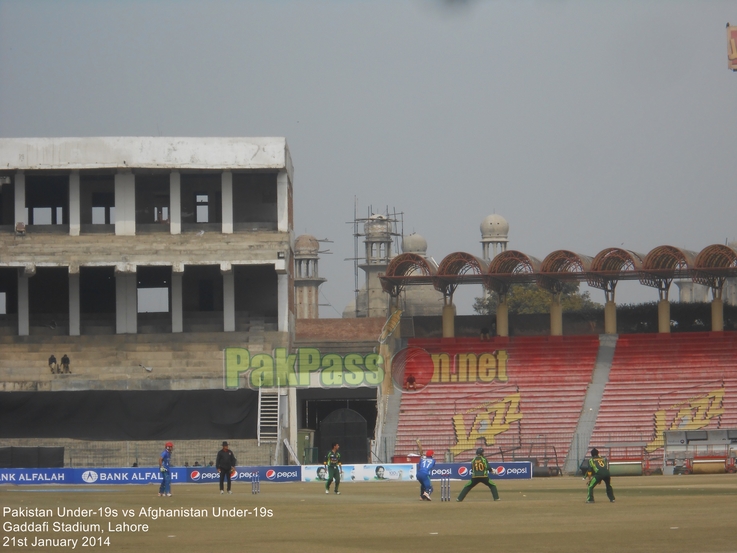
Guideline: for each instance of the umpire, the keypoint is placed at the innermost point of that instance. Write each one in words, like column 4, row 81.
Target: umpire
column 598, row 471
column 479, row 475
column 225, row 463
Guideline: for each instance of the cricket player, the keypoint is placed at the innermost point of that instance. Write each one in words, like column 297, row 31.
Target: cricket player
column 423, row 474
column 479, row 475
column 335, row 469
column 598, row 471
column 164, row 468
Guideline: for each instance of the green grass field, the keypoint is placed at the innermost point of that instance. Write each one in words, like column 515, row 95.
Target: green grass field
column 694, row 513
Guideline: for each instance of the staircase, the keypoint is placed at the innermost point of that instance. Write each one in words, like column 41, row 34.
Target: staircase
column 268, row 415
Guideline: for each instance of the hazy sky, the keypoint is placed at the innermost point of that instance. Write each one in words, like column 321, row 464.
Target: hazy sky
column 586, row 124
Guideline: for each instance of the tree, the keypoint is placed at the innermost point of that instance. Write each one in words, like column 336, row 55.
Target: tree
column 530, row 298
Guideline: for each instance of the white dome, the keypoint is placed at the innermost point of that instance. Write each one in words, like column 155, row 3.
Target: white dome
column 377, row 226
column 494, row 226
column 414, row 243
column 306, row 244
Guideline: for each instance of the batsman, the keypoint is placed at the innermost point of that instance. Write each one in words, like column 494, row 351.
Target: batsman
column 598, row 471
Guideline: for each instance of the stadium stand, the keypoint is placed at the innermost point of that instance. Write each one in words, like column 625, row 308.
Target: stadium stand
column 531, row 412
column 685, row 381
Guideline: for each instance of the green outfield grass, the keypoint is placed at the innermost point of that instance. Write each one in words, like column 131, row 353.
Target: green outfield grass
column 694, row 513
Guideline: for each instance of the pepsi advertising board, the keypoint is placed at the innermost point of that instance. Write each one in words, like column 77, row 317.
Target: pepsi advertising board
column 279, row 473
column 497, row 471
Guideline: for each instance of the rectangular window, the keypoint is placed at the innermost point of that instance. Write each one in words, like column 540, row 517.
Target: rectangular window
column 98, row 215
column 153, row 300
column 41, row 215
column 203, row 208
column 3, row 305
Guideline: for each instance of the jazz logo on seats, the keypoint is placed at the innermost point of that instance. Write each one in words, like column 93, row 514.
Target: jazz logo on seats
column 694, row 413
column 486, row 421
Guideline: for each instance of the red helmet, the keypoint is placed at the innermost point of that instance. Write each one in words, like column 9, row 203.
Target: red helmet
column 169, row 444
column 429, row 453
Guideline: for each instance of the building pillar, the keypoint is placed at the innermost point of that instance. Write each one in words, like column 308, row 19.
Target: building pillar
column 556, row 316
column 228, row 297
column 226, row 188
column 449, row 321
column 175, row 203
column 283, row 201
column 74, row 311
column 284, row 322
column 20, row 198
column 502, row 318
column 664, row 316
column 610, row 318
column 126, row 301
column 125, row 203
column 24, row 325
column 74, row 205
column 717, row 315
column 177, row 318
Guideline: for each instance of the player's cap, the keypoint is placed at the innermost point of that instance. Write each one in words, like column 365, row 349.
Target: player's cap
column 480, row 451
column 168, row 444
column 225, row 443
column 429, row 452
column 594, row 452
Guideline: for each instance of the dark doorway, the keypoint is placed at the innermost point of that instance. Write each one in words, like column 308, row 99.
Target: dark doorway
column 348, row 428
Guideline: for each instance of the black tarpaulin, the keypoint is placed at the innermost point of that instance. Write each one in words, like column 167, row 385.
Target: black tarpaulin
column 130, row 415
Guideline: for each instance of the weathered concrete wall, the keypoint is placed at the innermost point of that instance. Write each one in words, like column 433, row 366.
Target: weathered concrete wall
column 334, row 330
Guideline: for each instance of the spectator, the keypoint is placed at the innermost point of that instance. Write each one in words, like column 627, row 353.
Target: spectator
column 65, row 364
column 484, row 334
column 52, row 364
column 196, row 464
column 410, row 383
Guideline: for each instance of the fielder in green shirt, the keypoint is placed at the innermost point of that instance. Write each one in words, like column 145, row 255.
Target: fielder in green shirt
column 335, row 469
column 479, row 475
column 598, row 471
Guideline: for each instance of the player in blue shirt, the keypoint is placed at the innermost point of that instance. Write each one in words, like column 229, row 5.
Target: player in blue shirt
column 164, row 466
column 423, row 474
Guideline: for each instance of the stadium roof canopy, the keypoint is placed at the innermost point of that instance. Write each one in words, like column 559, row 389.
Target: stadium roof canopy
column 658, row 269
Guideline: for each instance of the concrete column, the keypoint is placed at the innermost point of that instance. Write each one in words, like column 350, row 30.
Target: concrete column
column 74, row 312
column 177, row 313
column 292, row 427
column 502, row 319
column 610, row 318
column 226, row 188
column 449, row 321
column 20, row 198
column 24, row 325
column 282, row 201
column 228, row 297
column 717, row 315
column 126, row 302
column 664, row 316
column 74, row 204
column 284, row 323
column 175, row 203
column 125, row 204
column 556, row 317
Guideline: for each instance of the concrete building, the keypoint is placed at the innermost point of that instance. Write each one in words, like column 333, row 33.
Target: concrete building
column 133, row 235
column 144, row 258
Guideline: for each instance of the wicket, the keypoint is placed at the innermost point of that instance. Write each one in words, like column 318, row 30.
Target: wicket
column 255, row 484
column 445, row 489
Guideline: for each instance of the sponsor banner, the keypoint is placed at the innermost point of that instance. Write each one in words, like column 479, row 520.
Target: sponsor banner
column 277, row 473
column 143, row 475
column 363, row 473
column 497, row 471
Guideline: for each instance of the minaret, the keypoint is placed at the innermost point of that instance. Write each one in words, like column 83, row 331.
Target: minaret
column 306, row 278
column 378, row 242
column 494, row 233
